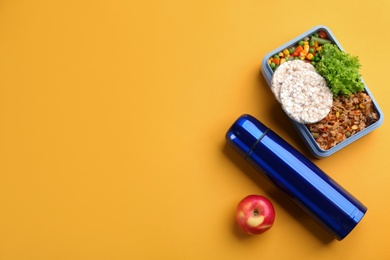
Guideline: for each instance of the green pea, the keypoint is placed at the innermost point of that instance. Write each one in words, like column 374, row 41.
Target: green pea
column 317, row 58
column 313, row 63
column 272, row 65
column 315, row 35
column 311, row 43
column 296, row 58
column 291, row 50
column 300, row 43
column 311, row 50
column 276, row 56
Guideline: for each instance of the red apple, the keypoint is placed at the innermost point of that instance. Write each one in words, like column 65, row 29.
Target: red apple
column 255, row 214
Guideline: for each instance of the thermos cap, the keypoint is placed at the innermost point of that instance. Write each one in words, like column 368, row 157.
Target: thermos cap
column 245, row 133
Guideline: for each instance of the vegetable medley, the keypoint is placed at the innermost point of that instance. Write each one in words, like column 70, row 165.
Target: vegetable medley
column 307, row 50
column 352, row 108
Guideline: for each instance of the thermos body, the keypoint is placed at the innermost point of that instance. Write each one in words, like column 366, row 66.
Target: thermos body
column 329, row 204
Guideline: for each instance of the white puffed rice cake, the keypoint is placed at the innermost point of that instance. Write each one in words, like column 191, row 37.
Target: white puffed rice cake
column 305, row 97
column 285, row 69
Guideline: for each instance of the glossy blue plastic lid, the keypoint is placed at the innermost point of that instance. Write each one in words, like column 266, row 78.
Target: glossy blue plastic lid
column 244, row 134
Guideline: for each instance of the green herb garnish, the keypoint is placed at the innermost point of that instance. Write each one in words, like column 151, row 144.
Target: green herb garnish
column 340, row 70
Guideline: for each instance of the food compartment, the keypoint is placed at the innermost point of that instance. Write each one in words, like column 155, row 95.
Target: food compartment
column 349, row 118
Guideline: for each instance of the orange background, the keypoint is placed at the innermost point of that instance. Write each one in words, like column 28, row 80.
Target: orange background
column 112, row 124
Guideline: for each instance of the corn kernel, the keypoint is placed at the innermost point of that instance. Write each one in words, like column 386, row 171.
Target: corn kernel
column 337, row 114
column 361, row 105
column 280, row 54
column 283, row 60
column 305, row 43
column 309, row 56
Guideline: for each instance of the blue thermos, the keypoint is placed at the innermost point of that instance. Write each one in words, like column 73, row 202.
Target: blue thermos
column 330, row 205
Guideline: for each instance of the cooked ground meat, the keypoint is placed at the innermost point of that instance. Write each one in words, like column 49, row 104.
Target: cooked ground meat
column 348, row 116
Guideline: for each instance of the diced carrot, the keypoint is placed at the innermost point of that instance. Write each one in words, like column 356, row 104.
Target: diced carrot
column 299, row 49
column 276, row 61
column 295, row 54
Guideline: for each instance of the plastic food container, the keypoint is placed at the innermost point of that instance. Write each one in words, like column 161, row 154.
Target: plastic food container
column 302, row 128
